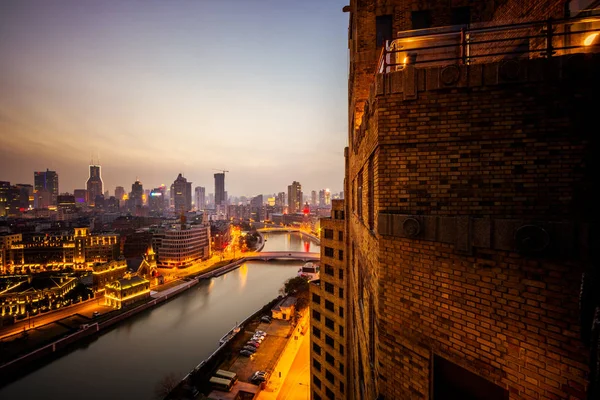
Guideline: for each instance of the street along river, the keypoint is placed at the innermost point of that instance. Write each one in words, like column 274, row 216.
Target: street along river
column 128, row 361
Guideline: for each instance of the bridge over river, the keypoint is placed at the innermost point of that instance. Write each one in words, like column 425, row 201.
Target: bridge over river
column 283, row 255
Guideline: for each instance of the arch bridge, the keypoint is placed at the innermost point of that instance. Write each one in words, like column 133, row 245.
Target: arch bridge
column 283, row 255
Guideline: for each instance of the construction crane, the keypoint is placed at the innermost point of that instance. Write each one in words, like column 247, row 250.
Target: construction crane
column 222, row 170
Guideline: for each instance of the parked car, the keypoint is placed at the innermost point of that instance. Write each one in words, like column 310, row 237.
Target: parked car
column 253, row 343
column 250, row 349
column 258, row 377
column 96, row 314
column 266, row 319
column 258, row 338
column 246, row 353
column 263, row 333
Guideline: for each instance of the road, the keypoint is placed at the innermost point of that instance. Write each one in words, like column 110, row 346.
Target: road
column 297, row 382
column 86, row 308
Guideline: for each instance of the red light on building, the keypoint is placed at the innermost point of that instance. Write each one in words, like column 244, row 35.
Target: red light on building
column 306, row 210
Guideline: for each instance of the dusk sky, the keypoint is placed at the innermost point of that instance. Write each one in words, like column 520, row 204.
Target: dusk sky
column 154, row 88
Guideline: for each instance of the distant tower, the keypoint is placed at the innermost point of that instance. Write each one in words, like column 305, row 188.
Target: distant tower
column 295, row 197
column 181, row 192
column 220, row 198
column 94, row 184
column 48, row 181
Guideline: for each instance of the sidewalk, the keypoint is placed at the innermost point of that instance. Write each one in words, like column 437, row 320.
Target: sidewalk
column 277, row 378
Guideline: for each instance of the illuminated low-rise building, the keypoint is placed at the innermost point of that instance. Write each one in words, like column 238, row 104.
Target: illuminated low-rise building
column 183, row 245
column 126, row 291
column 104, row 273
column 21, row 294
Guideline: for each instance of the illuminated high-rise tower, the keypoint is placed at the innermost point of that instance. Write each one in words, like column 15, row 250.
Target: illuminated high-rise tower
column 94, row 184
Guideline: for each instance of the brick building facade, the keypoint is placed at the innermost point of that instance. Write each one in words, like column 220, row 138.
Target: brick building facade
column 468, row 211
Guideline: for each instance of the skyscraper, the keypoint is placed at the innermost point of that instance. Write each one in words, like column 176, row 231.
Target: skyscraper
column 200, row 198
column 47, row 180
column 181, row 192
column 119, row 192
column 220, row 198
column 313, row 198
column 294, row 197
column 94, row 184
column 136, row 198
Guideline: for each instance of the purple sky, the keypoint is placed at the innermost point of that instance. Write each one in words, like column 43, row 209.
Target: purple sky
column 154, row 88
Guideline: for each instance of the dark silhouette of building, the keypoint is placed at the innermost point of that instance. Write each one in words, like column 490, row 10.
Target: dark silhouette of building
column 94, row 185
column 181, row 191
column 220, row 199
column 46, row 180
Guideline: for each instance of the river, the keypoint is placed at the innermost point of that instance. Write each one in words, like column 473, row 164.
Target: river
column 129, row 360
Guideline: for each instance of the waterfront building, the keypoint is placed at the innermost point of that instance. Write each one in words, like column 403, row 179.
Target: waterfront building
column 181, row 192
column 328, row 308
column 182, row 245
column 200, row 198
column 465, row 182
column 295, row 197
column 220, row 197
column 46, row 180
column 94, row 185
column 103, row 273
column 21, row 295
column 285, row 309
column 126, row 291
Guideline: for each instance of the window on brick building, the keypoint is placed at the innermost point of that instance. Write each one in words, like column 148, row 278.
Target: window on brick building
column 316, row 315
column 359, row 190
column 328, row 270
column 341, row 293
column 329, row 358
column 329, row 324
column 316, row 365
column 341, row 349
column 328, row 234
column 451, row 381
column 341, row 368
column 341, row 312
column 316, row 348
column 341, row 273
column 341, row 388
column 341, row 255
column 341, row 330
column 421, row 19
column 371, row 330
column 329, row 376
column 329, row 394
column 460, row 15
column 316, row 396
column 316, row 332
column 316, row 298
column 329, row 287
column 328, row 251
column 340, row 236
column 329, row 341
column 317, row 381
column 383, row 29
column 371, row 194
column 329, row 305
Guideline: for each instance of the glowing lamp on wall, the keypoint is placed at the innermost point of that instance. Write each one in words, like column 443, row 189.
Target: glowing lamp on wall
column 589, row 40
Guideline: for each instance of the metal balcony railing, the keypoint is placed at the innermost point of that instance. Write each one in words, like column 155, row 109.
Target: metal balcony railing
column 485, row 43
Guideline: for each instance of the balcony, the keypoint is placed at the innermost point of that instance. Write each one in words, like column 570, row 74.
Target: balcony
column 487, row 42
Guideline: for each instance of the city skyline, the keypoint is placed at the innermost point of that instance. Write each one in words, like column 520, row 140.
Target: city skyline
column 155, row 102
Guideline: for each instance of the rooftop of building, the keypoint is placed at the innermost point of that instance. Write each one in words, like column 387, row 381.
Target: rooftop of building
column 285, row 303
column 126, row 283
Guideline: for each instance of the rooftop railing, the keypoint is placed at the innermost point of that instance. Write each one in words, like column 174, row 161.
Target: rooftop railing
column 484, row 43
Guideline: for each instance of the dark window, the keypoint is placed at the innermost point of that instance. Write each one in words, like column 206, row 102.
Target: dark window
column 328, row 234
column 341, row 273
column 460, row 16
column 339, row 214
column 329, row 287
column 421, row 19
column 342, row 349
column 371, row 195
column 341, row 293
column 329, row 305
column 340, row 236
column 451, row 381
column 341, row 255
column 317, row 365
column 371, row 329
column 341, row 331
column 316, row 396
column 329, row 394
column 341, row 312
column 329, row 341
column 359, row 194
column 328, row 251
column 341, row 368
column 383, row 27
column 329, row 358
column 329, row 323
column 317, row 332
column 317, row 381
column 341, row 388
column 328, row 269
column 316, row 315
column 316, row 298
column 316, row 348
column 329, row 376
